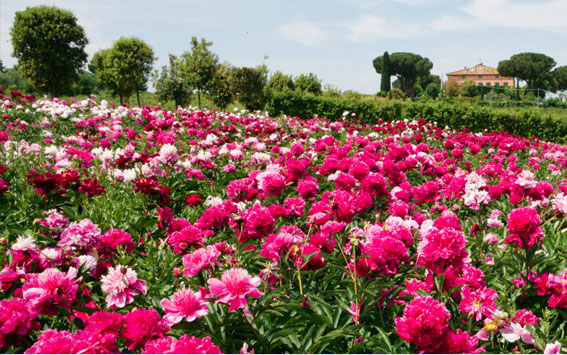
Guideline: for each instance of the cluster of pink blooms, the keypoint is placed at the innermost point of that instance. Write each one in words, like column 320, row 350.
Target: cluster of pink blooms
column 424, row 210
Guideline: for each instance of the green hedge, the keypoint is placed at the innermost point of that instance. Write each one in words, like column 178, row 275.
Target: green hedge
column 526, row 122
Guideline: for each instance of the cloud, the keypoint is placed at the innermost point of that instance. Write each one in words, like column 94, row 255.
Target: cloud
column 546, row 15
column 305, row 33
column 453, row 23
column 370, row 27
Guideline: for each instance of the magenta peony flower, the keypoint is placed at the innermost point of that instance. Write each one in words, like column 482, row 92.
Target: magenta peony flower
column 524, row 228
column 478, row 303
column 425, row 323
column 51, row 289
column 184, row 304
column 83, row 234
column 121, row 284
column 141, row 326
column 181, row 240
column 258, row 223
column 441, row 247
column 16, row 319
column 117, row 237
column 200, row 259
column 52, row 341
column 185, row 345
column 558, row 283
column 233, row 288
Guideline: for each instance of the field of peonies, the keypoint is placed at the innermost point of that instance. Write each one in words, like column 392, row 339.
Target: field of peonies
column 139, row 230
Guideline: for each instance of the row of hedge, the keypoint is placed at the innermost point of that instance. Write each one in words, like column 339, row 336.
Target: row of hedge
column 526, row 122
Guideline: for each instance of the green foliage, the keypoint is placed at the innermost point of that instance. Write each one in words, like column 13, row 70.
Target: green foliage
column 125, row 67
column 308, row 83
column 469, row 88
column 248, row 85
column 452, row 89
column 11, row 79
column 49, row 46
column 279, row 82
column 560, row 77
column 408, row 67
column 533, row 68
column 170, row 83
column 200, row 66
column 433, row 90
column 221, row 90
column 527, row 122
column 385, row 85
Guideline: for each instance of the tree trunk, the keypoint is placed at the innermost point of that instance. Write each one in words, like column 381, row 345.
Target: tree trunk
column 199, row 97
column 138, row 94
column 121, row 99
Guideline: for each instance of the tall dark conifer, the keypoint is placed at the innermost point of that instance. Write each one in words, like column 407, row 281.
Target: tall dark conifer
column 386, row 73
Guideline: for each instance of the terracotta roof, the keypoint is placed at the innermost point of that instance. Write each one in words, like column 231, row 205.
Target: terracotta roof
column 476, row 70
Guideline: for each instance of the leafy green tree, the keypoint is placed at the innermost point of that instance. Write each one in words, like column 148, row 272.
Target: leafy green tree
column 11, row 79
column 125, row 68
column 433, row 90
column 560, row 76
column 533, row 68
column 469, row 88
column 308, row 83
column 280, row 82
column 407, row 67
column 248, row 85
column 200, row 66
column 386, row 73
column 424, row 81
column 171, row 84
column 50, row 47
column 221, row 89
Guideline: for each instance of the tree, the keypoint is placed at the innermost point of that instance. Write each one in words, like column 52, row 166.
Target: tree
column 200, row 66
column 533, row 68
column 308, row 83
column 248, row 85
column 126, row 67
column 469, row 88
column 452, row 89
column 221, row 89
column 280, row 82
column 170, row 83
column 408, row 67
column 433, row 90
column 49, row 46
column 560, row 76
column 385, row 84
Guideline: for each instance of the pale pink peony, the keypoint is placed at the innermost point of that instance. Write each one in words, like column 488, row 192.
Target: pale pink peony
column 83, row 234
column 121, row 284
column 200, row 259
column 553, row 348
column 184, row 304
column 233, row 288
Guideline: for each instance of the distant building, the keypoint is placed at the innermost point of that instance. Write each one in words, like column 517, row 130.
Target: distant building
column 483, row 76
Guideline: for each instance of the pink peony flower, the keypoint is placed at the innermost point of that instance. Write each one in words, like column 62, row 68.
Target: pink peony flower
column 51, row 289
column 233, row 288
column 524, row 228
column 141, row 326
column 558, row 283
column 441, row 247
column 258, row 223
column 116, row 237
column 83, row 234
column 52, row 341
column 478, row 303
column 185, row 345
column 200, row 259
column 183, row 239
column 121, row 284
column 514, row 331
column 553, row 348
column 16, row 319
column 425, row 323
column 184, row 304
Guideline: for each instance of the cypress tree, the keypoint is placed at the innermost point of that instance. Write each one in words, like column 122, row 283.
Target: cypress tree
column 385, row 81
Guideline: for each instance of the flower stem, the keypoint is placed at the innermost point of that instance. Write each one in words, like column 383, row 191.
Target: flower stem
column 251, row 326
